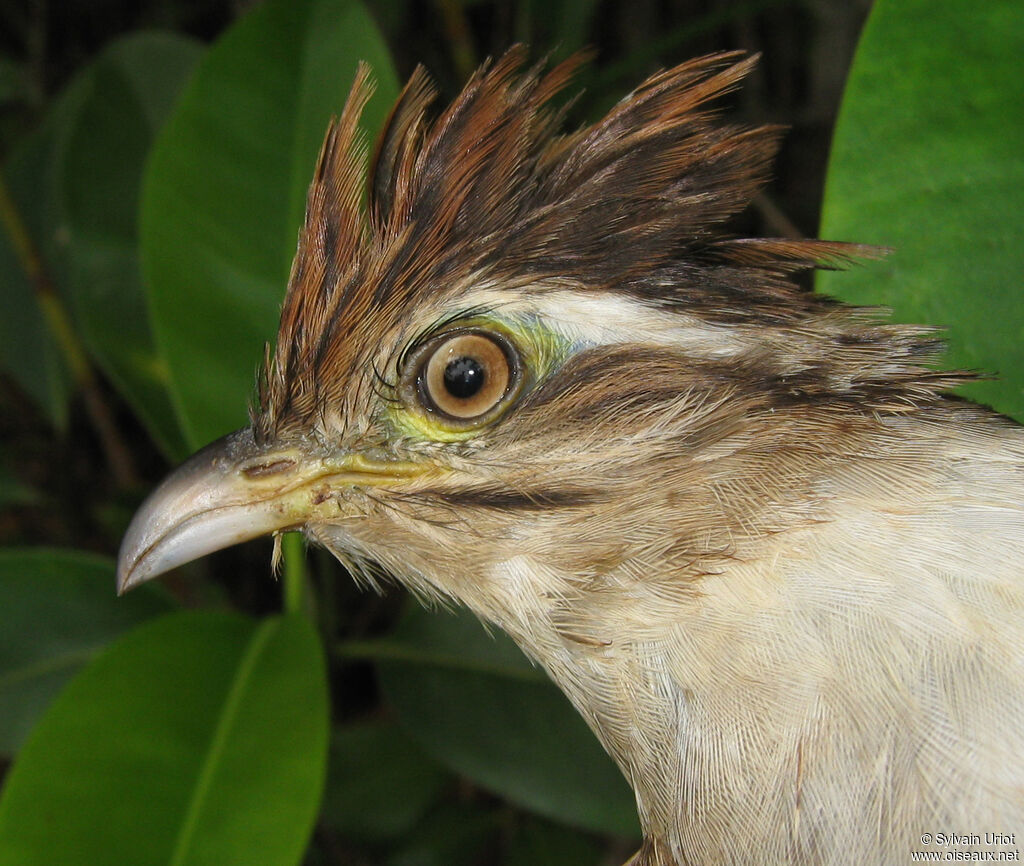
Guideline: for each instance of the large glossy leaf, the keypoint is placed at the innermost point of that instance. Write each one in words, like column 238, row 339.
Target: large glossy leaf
column 927, row 160
column 477, row 705
column 197, row 739
column 59, row 611
column 224, row 192
column 130, row 89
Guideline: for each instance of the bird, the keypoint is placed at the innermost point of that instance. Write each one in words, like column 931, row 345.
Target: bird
column 748, row 531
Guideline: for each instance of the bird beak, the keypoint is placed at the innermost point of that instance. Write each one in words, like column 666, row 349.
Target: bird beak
column 234, row 490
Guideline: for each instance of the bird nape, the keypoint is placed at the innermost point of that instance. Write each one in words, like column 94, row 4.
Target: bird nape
column 778, row 572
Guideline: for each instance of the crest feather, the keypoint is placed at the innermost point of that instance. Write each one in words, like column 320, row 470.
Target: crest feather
column 330, row 247
column 493, row 191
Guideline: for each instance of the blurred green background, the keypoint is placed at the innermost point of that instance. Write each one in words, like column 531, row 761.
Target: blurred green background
column 154, row 158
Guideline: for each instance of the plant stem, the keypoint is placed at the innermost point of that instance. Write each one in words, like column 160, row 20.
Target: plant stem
column 61, row 328
column 294, row 578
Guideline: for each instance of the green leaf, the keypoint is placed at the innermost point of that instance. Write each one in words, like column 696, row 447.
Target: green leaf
column 59, row 611
column 379, row 782
column 131, row 88
column 197, row 739
column 477, row 705
column 224, row 192
column 927, row 160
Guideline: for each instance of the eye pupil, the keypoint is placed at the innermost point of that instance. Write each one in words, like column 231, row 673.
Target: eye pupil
column 464, row 377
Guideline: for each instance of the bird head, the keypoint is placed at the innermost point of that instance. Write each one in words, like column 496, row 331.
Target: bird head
column 525, row 370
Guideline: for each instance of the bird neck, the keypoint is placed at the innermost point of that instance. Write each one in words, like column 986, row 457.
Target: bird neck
column 625, row 687
column 760, row 684
column 661, row 622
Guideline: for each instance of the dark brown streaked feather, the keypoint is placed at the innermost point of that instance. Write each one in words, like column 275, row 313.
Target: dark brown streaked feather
column 330, row 249
column 398, row 144
column 491, row 192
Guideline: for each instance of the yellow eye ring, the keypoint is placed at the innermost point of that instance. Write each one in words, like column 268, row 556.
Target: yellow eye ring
column 466, row 377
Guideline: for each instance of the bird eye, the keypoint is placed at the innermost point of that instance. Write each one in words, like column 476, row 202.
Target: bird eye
column 467, row 375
